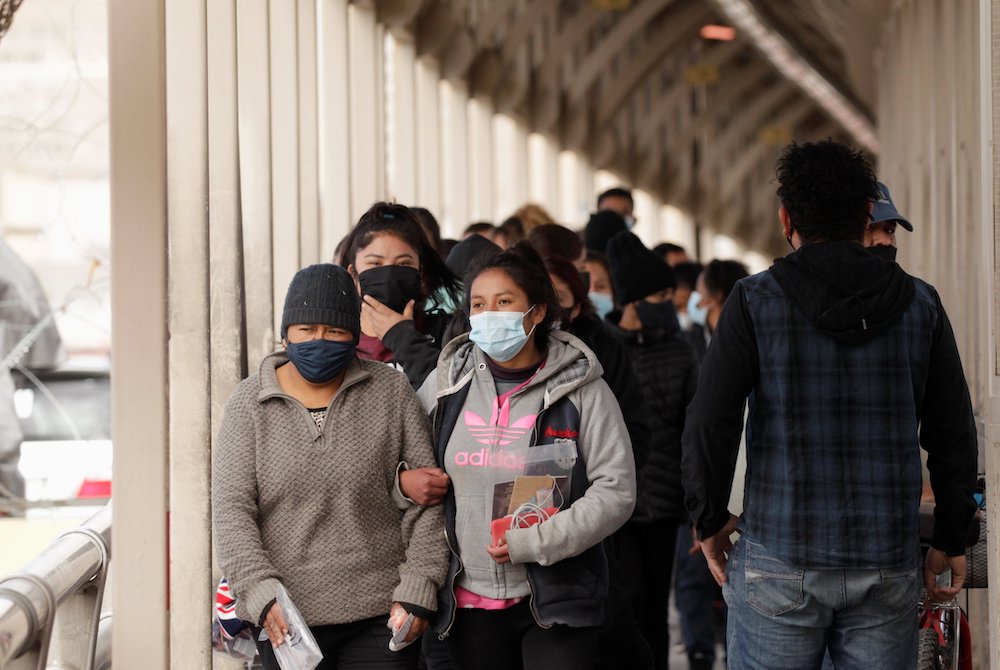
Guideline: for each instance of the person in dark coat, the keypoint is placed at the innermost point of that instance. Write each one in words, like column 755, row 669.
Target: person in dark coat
column 620, row 643
column 601, row 227
column 667, row 371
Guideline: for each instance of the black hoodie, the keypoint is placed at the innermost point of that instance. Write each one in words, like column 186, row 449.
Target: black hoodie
column 849, row 294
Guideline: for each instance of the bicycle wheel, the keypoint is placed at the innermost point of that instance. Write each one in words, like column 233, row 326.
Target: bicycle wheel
column 927, row 650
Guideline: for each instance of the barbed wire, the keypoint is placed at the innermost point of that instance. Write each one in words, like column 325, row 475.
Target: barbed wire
column 13, row 357
column 7, row 9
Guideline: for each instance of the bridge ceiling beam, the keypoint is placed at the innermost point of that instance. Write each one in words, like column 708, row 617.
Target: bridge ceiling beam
column 790, row 116
column 635, row 72
column 615, row 85
column 661, row 115
column 622, row 34
column 728, row 140
column 796, row 68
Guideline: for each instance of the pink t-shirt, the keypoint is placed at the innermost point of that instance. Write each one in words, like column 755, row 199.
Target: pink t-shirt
column 465, row 598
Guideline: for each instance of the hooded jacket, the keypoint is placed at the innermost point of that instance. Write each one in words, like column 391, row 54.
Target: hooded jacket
column 564, row 561
column 619, row 372
column 667, row 372
column 850, row 365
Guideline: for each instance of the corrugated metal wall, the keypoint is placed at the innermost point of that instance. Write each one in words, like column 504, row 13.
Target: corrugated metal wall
column 935, row 114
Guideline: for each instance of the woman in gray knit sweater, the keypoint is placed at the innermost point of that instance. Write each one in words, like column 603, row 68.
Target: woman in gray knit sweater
column 303, row 486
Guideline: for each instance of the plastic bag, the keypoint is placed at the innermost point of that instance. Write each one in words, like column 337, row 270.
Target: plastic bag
column 231, row 636
column 539, row 490
column 399, row 623
column 299, row 650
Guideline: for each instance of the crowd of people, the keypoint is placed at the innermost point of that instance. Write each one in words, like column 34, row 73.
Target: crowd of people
column 521, row 442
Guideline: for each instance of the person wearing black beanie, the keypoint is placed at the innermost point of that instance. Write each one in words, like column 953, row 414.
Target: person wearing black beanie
column 601, row 227
column 303, row 444
column 667, row 372
column 322, row 293
column 468, row 251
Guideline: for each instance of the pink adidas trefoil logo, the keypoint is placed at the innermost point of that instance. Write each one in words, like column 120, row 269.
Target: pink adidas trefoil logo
column 501, row 433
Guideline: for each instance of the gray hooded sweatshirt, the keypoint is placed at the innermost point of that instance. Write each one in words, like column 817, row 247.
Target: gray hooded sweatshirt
column 565, row 402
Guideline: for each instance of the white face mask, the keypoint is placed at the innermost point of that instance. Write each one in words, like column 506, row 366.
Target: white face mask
column 500, row 335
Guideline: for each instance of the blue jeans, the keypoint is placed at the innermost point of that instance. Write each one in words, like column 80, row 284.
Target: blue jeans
column 783, row 617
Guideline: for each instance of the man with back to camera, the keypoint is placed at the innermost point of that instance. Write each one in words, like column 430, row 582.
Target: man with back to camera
column 849, row 365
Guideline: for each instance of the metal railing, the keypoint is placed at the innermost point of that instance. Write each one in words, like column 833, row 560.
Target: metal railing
column 51, row 610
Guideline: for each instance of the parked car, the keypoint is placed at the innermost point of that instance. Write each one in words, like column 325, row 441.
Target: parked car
column 65, row 415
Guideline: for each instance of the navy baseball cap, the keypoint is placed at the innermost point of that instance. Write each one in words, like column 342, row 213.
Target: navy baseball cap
column 884, row 210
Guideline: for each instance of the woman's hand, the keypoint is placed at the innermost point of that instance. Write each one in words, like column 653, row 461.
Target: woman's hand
column 501, row 552
column 424, row 486
column 417, row 628
column 275, row 625
column 381, row 318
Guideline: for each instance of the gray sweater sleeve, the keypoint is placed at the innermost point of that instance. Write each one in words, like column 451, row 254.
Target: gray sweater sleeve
column 240, row 552
column 423, row 572
column 604, row 444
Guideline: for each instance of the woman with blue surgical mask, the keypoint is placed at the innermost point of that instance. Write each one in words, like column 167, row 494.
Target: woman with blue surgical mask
column 511, row 400
column 600, row 291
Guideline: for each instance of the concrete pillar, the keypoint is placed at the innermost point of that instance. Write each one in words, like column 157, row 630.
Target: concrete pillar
column 480, row 159
column 510, row 161
column 543, row 172
column 336, row 176
column 365, row 99
column 401, row 122
column 427, row 162
column 455, row 210
column 188, row 373
column 138, row 90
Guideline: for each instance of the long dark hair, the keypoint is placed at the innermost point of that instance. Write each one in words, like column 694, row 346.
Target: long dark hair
column 551, row 239
column 399, row 220
column 721, row 276
column 525, row 267
column 569, row 275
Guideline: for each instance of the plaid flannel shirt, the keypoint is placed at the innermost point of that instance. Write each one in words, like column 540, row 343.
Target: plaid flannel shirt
column 833, row 466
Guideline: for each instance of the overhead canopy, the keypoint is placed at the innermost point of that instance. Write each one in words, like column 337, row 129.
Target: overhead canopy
column 632, row 85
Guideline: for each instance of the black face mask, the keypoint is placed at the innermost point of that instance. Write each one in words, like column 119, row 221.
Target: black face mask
column 391, row 285
column 656, row 315
column 885, row 252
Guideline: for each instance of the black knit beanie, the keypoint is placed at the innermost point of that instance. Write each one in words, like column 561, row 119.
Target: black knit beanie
column 636, row 272
column 602, row 227
column 322, row 293
column 469, row 250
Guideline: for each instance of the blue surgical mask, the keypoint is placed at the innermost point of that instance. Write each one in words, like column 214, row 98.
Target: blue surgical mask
column 320, row 361
column 698, row 315
column 603, row 303
column 500, row 335
column 629, row 221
